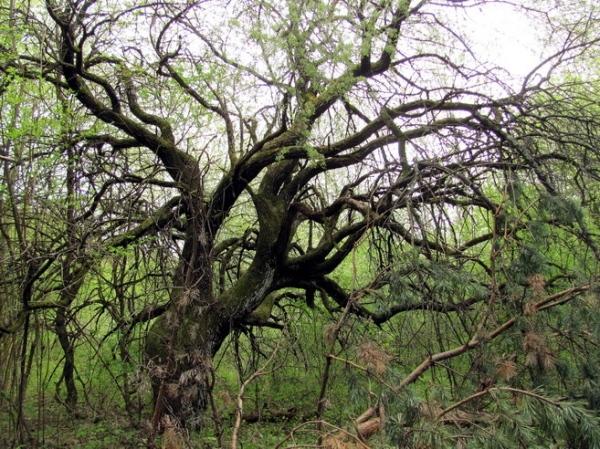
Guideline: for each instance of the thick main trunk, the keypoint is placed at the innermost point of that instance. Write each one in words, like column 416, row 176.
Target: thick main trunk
column 182, row 343
column 180, row 351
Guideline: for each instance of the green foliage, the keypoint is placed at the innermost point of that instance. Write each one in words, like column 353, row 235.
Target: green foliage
column 530, row 261
column 576, row 427
column 565, row 211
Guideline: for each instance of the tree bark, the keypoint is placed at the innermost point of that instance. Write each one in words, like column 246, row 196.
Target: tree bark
column 68, row 373
column 182, row 343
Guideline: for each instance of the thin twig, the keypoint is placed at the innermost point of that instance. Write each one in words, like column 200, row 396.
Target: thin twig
column 239, row 401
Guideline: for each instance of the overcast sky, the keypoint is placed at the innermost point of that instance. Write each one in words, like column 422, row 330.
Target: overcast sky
column 504, row 37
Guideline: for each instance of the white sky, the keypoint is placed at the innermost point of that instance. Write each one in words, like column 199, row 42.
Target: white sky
column 504, row 37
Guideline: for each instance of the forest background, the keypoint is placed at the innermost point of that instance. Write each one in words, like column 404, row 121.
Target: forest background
column 329, row 223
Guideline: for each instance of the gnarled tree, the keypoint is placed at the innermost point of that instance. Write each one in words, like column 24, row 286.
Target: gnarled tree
column 281, row 136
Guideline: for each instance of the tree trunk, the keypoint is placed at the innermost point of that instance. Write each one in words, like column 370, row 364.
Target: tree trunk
column 180, row 351
column 181, row 343
column 68, row 374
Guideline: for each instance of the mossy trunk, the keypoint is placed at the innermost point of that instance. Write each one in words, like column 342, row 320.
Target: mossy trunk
column 180, row 361
column 182, row 343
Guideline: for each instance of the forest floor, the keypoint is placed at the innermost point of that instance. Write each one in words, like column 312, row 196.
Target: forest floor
column 53, row 428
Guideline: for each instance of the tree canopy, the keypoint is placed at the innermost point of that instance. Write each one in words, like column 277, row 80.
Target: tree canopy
column 181, row 175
